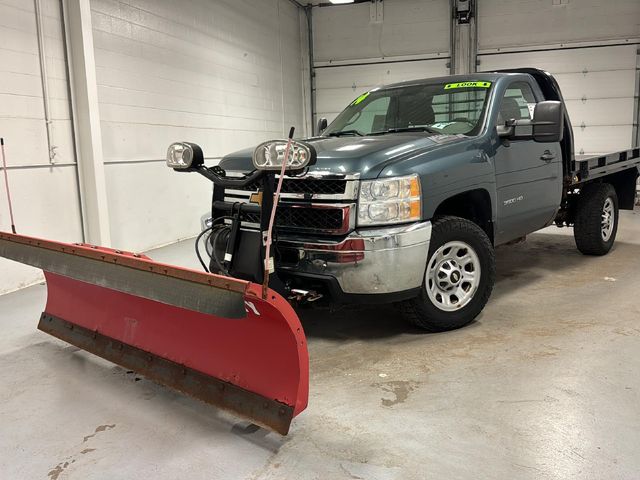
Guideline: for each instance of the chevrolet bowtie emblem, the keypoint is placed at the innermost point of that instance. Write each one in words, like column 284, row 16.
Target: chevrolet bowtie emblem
column 256, row 198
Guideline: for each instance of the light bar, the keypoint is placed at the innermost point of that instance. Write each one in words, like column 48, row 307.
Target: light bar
column 270, row 155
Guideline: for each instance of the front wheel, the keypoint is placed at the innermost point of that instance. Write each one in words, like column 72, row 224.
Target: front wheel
column 459, row 277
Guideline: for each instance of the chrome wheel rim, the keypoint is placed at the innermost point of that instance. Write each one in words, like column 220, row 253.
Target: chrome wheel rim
column 608, row 219
column 453, row 276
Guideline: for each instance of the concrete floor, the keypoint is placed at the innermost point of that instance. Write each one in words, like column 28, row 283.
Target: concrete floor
column 543, row 385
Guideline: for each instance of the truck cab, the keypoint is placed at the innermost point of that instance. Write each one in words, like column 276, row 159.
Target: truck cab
column 417, row 182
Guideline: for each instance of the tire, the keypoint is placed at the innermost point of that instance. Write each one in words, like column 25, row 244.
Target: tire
column 596, row 222
column 450, row 238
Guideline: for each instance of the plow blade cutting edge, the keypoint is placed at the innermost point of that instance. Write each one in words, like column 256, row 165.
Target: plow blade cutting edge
column 212, row 337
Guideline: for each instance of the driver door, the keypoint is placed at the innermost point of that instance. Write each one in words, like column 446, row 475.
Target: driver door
column 528, row 173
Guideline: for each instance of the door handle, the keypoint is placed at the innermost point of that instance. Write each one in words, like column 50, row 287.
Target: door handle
column 547, row 156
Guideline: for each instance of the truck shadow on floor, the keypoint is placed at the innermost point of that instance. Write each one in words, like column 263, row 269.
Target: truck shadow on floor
column 544, row 260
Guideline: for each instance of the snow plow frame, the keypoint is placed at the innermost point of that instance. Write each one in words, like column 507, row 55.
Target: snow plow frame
column 151, row 318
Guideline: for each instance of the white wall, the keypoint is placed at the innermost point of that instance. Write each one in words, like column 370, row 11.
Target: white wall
column 223, row 74
column 353, row 54
column 45, row 197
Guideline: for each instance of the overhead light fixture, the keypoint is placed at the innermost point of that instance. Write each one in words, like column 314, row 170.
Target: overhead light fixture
column 338, row 2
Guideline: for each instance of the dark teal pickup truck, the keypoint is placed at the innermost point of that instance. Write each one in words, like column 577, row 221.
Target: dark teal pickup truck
column 415, row 184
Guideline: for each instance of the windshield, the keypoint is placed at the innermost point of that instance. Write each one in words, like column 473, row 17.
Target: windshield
column 441, row 107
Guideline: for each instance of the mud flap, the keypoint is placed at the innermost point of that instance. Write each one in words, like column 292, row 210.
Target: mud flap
column 212, row 337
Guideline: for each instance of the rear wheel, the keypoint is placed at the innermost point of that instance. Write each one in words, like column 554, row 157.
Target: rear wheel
column 596, row 222
column 459, row 277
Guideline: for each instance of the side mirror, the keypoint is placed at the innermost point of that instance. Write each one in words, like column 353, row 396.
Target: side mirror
column 184, row 156
column 548, row 122
column 322, row 125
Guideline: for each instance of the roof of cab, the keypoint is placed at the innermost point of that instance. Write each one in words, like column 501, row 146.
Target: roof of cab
column 467, row 77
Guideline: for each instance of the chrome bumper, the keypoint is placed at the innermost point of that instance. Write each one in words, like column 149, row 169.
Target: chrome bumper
column 385, row 260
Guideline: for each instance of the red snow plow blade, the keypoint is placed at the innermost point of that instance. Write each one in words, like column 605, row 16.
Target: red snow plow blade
column 209, row 336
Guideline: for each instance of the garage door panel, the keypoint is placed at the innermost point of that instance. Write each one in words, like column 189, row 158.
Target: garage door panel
column 612, row 111
column 410, row 27
column 333, row 101
column 336, row 87
column 379, row 73
column 566, row 61
column 599, row 87
column 537, row 22
column 597, row 140
column 616, row 83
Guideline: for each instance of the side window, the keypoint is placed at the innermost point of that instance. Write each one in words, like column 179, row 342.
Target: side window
column 371, row 118
column 518, row 103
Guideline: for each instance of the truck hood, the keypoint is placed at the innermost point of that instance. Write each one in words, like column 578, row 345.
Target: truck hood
column 367, row 155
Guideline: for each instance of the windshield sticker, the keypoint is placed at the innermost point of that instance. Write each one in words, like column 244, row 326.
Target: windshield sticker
column 442, row 125
column 444, row 138
column 360, row 98
column 449, row 86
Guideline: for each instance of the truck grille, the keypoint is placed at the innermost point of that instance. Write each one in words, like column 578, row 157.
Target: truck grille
column 322, row 204
column 330, row 220
column 314, row 186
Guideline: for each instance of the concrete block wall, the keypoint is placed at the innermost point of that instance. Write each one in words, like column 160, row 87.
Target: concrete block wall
column 223, row 73
column 45, row 195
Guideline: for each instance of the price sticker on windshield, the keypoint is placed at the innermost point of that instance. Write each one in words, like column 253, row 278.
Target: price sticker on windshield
column 450, row 86
column 361, row 98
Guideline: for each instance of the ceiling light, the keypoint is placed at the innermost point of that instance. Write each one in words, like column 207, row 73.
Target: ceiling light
column 338, row 2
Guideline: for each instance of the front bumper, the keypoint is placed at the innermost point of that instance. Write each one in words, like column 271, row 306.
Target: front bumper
column 373, row 261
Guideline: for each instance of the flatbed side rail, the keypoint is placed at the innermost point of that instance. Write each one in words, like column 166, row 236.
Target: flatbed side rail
column 594, row 167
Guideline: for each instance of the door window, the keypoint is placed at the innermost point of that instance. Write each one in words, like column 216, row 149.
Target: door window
column 518, row 103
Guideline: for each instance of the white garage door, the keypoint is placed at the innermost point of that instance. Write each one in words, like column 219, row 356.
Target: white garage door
column 336, row 87
column 355, row 51
column 599, row 87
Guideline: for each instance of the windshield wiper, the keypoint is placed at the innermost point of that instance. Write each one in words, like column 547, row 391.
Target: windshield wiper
column 345, row 132
column 408, row 129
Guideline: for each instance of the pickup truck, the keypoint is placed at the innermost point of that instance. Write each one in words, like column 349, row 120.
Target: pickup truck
column 416, row 183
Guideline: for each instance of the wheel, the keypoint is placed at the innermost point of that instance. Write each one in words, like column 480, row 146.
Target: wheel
column 459, row 277
column 596, row 223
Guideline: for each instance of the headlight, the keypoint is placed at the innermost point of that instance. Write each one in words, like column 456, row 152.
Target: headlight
column 184, row 156
column 391, row 200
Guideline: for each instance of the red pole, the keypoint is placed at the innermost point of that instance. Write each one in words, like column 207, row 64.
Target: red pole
column 6, row 183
